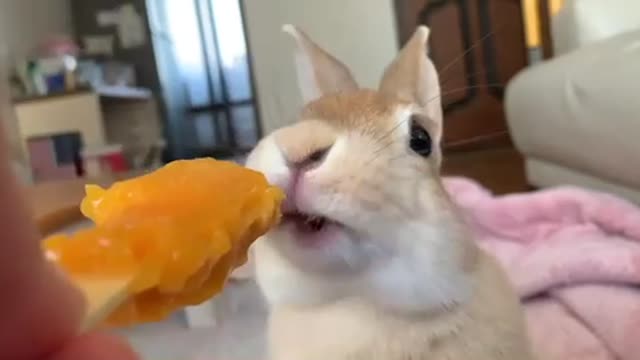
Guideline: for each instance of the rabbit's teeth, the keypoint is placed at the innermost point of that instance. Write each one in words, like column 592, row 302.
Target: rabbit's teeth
column 316, row 223
column 307, row 222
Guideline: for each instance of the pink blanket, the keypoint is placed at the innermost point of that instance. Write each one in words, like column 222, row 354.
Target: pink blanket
column 574, row 258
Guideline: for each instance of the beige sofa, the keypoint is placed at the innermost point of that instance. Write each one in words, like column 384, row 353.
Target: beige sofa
column 576, row 118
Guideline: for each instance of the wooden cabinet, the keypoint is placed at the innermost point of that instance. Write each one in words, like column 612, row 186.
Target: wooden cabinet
column 75, row 113
column 477, row 46
column 127, row 117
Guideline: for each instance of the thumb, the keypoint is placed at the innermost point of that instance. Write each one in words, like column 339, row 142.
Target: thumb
column 95, row 346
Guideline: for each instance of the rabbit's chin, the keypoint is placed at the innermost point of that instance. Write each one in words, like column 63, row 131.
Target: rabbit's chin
column 411, row 268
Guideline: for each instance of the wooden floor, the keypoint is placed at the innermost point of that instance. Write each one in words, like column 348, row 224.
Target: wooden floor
column 500, row 169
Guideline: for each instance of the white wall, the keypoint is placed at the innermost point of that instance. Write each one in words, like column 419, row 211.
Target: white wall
column 24, row 22
column 361, row 33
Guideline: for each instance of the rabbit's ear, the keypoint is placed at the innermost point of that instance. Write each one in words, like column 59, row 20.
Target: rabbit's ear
column 319, row 73
column 413, row 77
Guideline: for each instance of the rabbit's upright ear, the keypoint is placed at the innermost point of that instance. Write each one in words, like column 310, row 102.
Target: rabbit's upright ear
column 413, row 77
column 319, row 73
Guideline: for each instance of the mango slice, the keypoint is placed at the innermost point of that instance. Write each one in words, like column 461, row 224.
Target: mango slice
column 178, row 232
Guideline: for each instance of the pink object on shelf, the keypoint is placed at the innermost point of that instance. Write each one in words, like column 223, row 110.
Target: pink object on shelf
column 59, row 45
column 574, row 258
column 44, row 167
column 41, row 153
column 107, row 159
column 116, row 162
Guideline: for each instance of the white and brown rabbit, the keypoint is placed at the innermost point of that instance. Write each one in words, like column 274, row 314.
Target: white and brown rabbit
column 372, row 260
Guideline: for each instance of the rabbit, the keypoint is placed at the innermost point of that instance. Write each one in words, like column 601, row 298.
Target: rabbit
column 372, row 259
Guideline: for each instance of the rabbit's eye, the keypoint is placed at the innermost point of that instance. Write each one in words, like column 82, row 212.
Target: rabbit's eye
column 420, row 141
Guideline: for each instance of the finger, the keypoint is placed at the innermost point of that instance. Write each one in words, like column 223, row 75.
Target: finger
column 95, row 347
column 38, row 308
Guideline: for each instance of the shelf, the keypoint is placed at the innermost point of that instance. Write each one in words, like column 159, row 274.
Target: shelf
column 123, row 92
column 107, row 92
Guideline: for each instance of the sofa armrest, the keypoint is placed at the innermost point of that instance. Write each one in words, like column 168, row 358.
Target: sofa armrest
column 580, row 109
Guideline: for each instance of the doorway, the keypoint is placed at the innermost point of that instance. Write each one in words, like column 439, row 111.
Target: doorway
column 477, row 47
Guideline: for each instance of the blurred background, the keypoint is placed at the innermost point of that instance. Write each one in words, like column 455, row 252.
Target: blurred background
column 142, row 82
column 536, row 93
column 103, row 87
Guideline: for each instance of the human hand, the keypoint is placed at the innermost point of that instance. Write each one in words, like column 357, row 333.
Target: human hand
column 40, row 310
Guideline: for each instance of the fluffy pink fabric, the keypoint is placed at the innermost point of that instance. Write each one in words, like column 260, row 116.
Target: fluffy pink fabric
column 574, row 258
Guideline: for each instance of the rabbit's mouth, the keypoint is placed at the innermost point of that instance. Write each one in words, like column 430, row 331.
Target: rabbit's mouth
column 311, row 228
column 318, row 243
column 307, row 223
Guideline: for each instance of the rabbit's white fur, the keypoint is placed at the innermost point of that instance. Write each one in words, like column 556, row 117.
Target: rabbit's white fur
column 399, row 277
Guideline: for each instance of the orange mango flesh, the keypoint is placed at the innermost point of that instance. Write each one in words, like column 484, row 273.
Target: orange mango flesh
column 178, row 232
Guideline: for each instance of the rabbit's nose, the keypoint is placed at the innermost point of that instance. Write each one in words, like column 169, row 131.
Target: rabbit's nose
column 297, row 168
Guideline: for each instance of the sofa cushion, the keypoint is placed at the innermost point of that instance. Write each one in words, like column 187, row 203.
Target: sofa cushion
column 582, row 110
